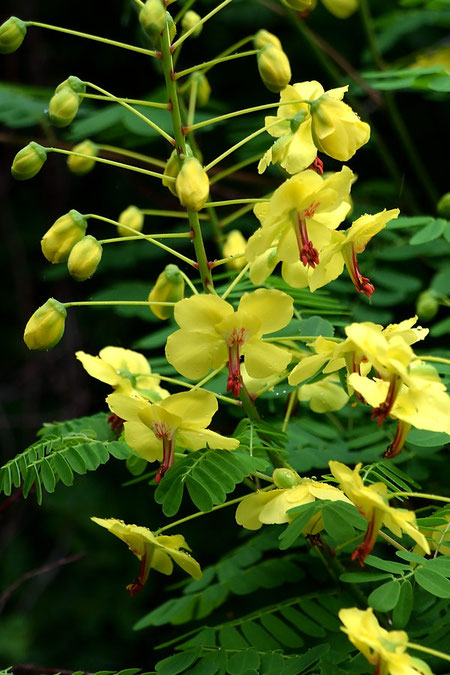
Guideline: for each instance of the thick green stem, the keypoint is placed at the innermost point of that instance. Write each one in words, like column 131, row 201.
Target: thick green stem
column 252, row 413
column 197, row 239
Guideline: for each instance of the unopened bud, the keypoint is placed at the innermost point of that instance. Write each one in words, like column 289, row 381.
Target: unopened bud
column 12, row 33
column 189, row 20
column 192, row 185
column 203, row 88
column 60, row 239
column 169, row 287
column 82, row 165
column 84, row 258
column 172, row 26
column 263, row 38
column 274, row 68
column 45, row 328
column 235, row 244
column 342, row 9
column 300, row 5
column 443, row 206
column 28, row 161
column 72, row 82
column 424, row 370
column 285, row 478
column 171, row 169
column 427, row 305
column 152, row 18
column 63, row 107
column 133, row 219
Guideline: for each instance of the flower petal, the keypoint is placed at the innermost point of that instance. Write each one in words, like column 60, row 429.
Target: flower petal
column 194, row 353
column 263, row 359
column 98, row 368
column 201, row 312
column 273, row 308
column 196, row 408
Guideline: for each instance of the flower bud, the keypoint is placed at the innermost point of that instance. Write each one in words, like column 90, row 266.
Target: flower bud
column 152, row 18
column 336, row 129
column 45, row 328
column 63, row 107
column 28, row 161
column 169, row 287
column 82, row 165
column 285, row 478
column 300, row 5
column 72, row 82
column 235, row 244
column 263, row 38
column 443, row 206
column 12, row 33
column 172, row 169
column 203, row 88
column 132, row 218
column 189, row 20
column 84, row 258
column 60, row 239
column 427, row 305
column 192, row 184
column 172, row 26
column 274, row 68
column 342, row 9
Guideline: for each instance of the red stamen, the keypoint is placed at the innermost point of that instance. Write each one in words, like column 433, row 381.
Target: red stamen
column 317, row 166
column 385, row 408
column 365, row 548
column 138, row 584
column 399, row 440
column 362, row 284
column 116, row 423
column 308, row 254
column 234, row 381
column 161, row 432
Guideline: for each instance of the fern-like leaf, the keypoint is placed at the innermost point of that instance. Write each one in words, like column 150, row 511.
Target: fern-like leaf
column 209, row 476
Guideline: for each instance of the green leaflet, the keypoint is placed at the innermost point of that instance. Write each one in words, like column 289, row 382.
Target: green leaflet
column 209, row 475
column 57, row 458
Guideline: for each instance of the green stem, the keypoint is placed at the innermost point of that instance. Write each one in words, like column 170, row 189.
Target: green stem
column 213, row 62
column 428, row 650
column 202, row 261
column 240, row 144
column 199, row 23
column 187, row 385
column 142, row 117
column 202, row 513
column 121, row 99
column 391, row 541
column 235, row 215
column 224, row 261
column 233, row 168
column 422, row 495
column 233, row 48
column 291, row 401
column 192, row 103
column 435, row 359
column 252, row 413
column 120, row 165
column 231, row 202
column 236, row 113
column 113, row 43
column 107, row 303
column 148, row 238
column 235, row 281
column 169, row 214
column 303, row 338
column 187, row 5
column 188, row 281
column 114, row 240
column 133, row 155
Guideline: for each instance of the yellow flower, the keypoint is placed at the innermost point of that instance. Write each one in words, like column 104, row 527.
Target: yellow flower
column 157, row 552
column 317, row 120
column 274, row 67
column 127, row 372
column 384, row 649
column 153, row 430
column 335, row 356
column 325, row 395
column 234, row 245
column 212, row 333
column 192, row 184
column 344, row 248
column 299, row 220
column 373, row 504
column 267, row 508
